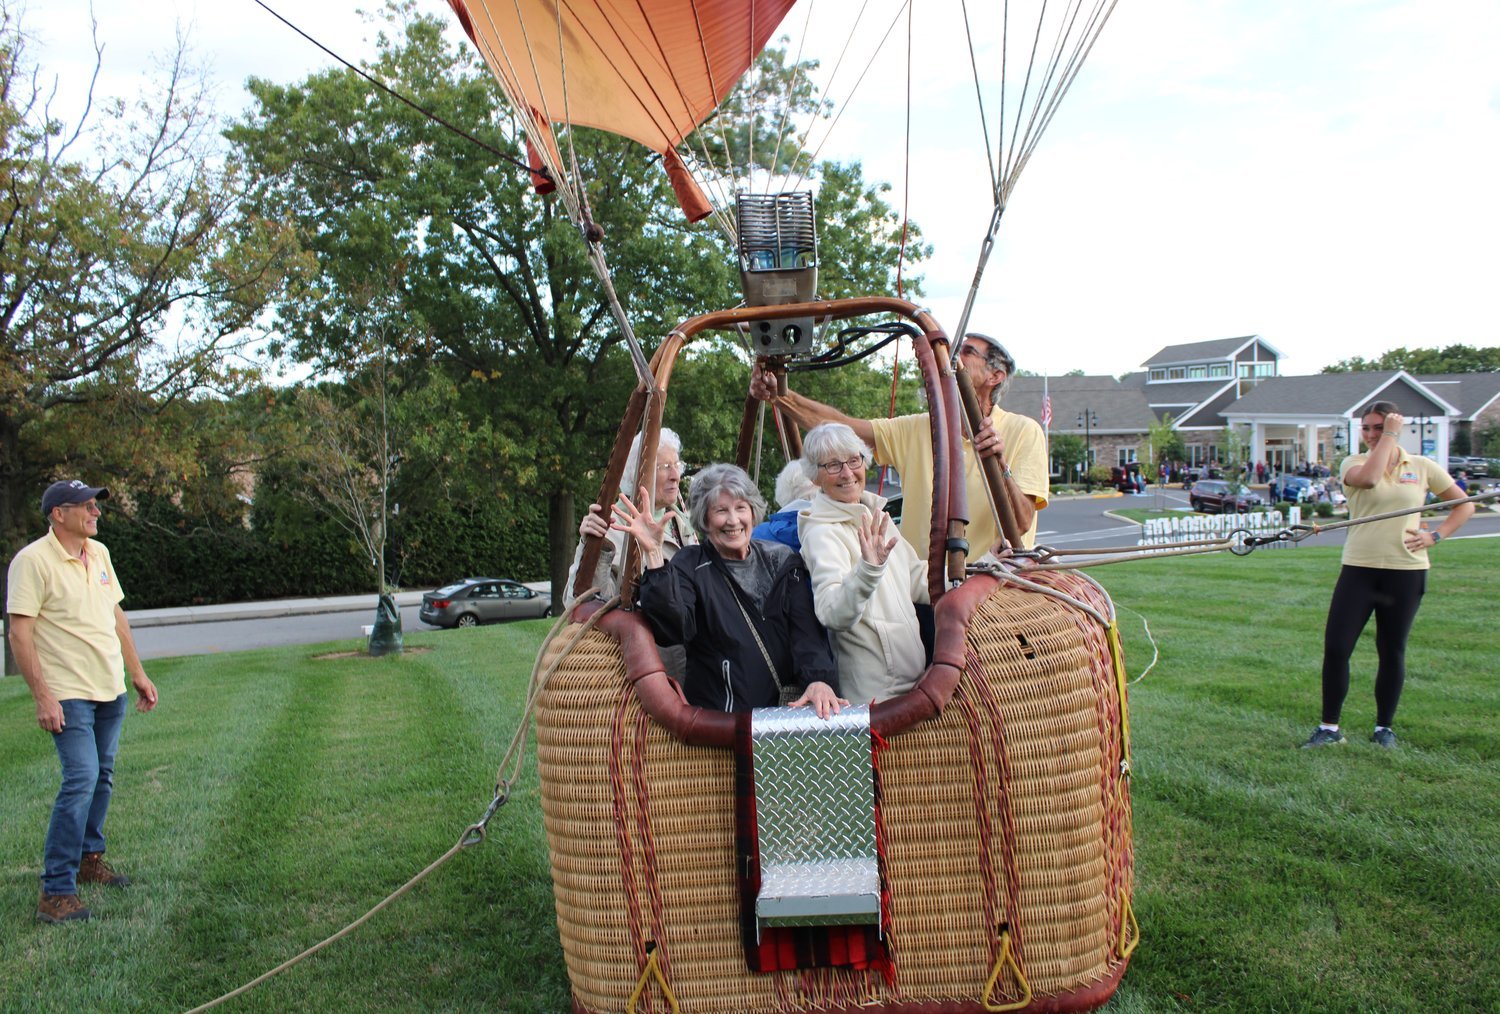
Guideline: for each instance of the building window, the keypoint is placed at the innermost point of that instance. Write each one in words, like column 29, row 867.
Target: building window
column 1197, row 372
column 1125, row 455
column 1158, row 374
column 1218, row 370
column 1176, row 373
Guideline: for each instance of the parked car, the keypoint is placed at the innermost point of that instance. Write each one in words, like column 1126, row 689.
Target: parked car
column 1290, row 489
column 1219, row 496
column 1478, row 468
column 1128, row 479
column 478, row 600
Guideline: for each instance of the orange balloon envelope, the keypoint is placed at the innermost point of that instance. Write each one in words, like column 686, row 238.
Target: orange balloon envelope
column 651, row 70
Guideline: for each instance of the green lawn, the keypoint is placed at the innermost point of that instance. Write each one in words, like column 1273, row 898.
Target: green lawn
column 274, row 797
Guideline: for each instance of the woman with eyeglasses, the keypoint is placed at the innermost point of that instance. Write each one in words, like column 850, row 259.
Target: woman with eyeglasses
column 740, row 605
column 865, row 578
column 1385, row 567
column 666, row 495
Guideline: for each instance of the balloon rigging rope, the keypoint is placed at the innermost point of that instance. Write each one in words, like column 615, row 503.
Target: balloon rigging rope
column 434, row 117
column 802, row 174
column 905, row 193
column 786, row 108
column 713, row 179
column 984, row 124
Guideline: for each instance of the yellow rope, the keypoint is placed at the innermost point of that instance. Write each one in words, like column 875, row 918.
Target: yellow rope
column 1117, row 657
column 1127, row 918
column 651, row 971
column 1006, row 958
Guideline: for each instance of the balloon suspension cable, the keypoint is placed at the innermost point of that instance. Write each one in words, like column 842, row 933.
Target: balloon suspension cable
column 1297, row 533
column 985, row 249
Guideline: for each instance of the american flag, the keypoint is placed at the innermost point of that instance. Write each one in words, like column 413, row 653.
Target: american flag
column 1046, row 407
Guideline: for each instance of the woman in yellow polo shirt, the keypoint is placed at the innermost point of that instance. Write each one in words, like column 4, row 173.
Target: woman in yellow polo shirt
column 1384, row 567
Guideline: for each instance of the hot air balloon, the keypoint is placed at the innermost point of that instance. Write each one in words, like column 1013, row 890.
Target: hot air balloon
column 981, row 859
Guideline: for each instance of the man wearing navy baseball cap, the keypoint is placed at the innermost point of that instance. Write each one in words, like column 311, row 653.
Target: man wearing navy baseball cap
column 73, row 645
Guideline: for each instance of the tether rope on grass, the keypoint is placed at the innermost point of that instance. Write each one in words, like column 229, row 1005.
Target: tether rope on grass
column 475, row 833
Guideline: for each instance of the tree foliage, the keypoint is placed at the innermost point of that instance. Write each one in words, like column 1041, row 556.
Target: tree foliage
column 491, row 276
column 1456, row 358
column 130, row 277
column 1166, row 443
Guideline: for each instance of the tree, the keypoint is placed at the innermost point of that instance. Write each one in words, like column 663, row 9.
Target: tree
column 130, row 279
column 1234, row 447
column 493, row 274
column 1068, row 452
column 1456, row 358
column 129, row 276
column 1166, row 443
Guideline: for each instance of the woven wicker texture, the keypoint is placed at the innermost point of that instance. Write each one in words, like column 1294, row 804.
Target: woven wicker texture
column 1010, row 810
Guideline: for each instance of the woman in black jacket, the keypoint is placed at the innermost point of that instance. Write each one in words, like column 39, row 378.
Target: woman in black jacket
column 742, row 606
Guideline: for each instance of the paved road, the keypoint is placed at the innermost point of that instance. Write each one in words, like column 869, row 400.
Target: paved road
column 205, row 637
column 1069, row 522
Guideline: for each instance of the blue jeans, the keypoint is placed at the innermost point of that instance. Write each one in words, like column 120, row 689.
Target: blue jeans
column 86, row 746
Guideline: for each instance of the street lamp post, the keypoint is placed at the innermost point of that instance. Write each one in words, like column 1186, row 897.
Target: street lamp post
column 1088, row 419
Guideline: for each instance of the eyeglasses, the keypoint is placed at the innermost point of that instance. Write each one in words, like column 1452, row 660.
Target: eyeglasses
column 91, row 506
column 837, row 467
column 669, row 466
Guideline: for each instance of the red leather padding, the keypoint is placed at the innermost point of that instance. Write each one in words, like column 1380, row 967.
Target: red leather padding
column 661, row 697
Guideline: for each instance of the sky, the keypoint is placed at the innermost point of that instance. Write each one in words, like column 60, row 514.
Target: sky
column 1321, row 174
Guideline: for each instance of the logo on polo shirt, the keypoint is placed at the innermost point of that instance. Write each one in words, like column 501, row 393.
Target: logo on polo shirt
column 1409, row 477
column 104, row 577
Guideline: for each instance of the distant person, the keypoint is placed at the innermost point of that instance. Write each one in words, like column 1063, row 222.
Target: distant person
column 1384, row 569
column 794, row 493
column 1260, row 471
column 865, row 580
column 666, row 496
column 1461, row 480
column 906, row 443
column 740, row 605
column 73, row 645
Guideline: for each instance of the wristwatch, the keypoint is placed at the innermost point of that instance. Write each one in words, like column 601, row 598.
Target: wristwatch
column 1437, row 536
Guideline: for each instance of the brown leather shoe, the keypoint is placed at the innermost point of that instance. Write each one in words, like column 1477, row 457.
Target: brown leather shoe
column 61, row 908
column 94, row 870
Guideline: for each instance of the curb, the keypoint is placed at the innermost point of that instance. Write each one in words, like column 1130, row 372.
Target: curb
column 228, row 611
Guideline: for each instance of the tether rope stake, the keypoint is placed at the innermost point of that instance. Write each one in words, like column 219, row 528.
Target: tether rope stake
column 475, row 833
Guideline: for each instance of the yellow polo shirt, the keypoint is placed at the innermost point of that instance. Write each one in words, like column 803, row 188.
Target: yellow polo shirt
column 906, row 443
column 1383, row 543
column 74, row 605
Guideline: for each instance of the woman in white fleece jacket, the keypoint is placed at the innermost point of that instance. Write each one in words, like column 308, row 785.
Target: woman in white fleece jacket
column 865, row 578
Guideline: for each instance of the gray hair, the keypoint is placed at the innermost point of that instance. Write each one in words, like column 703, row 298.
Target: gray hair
column 996, row 358
column 722, row 478
column 629, row 478
column 827, row 442
column 793, row 484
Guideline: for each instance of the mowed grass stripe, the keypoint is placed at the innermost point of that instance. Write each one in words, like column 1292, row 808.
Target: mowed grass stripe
column 1280, row 879
column 1269, row 878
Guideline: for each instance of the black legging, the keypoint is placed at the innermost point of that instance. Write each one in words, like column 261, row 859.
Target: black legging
column 1393, row 596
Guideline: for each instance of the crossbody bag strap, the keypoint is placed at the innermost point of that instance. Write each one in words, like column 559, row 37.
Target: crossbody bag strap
column 734, row 591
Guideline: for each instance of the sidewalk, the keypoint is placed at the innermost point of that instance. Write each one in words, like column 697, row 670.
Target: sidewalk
column 279, row 607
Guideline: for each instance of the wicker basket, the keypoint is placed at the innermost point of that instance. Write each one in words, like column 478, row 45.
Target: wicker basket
column 1006, row 825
